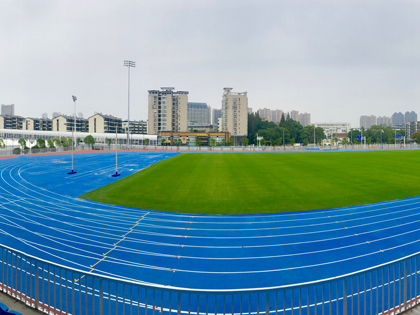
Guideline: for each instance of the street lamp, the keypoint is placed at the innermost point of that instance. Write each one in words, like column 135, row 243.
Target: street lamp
column 129, row 64
column 72, row 135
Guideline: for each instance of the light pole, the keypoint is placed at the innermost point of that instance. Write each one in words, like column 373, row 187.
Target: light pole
column 129, row 64
column 72, row 135
column 314, row 136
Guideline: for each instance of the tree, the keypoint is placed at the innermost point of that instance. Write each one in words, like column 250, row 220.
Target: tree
column 245, row 141
column 22, row 143
column 231, row 141
column 108, row 141
column 64, row 142
column 292, row 141
column 223, row 142
column 50, row 143
column 345, row 141
column 57, row 142
column 332, row 141
column 279, row 141
column 262, row 142
column 40, row 143
column 89, row 140
column 146, row 141
column 415, row 136
column 162, row 142
column 78, row 140
column 369, row 140
column 305, row 142
column 2, row 144
column 197, row 142
column 212, row 142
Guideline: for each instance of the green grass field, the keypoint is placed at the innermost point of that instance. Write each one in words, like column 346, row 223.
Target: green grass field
column 238, row 183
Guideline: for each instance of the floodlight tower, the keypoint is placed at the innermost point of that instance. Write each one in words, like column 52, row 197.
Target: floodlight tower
column 72, row 135
column 129, row 64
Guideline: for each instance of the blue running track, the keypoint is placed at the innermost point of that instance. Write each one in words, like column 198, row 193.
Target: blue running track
column 41, row 215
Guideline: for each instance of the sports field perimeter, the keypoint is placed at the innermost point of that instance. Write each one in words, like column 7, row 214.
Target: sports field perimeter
column 237, row 183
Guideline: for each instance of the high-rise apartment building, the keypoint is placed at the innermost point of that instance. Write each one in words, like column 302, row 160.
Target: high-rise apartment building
column 276, row 115
column 235, row 112
column 265, row 114
column 294, row 114
column 397, row 119
column 410, row 117
column 411, row 128
column 217, row 113
column 367, row 121
column 8, row 110
column 383, row 121
column 249, row 110
column 198, row 114
column 167, row 111
column 305, row 119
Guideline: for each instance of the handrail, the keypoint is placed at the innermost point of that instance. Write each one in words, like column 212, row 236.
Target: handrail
column 106, row 289
column 217, row 291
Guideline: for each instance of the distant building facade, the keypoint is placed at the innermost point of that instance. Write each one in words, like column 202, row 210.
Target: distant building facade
column 198, row 114
column 383, row 121
column 100, row 123
column 137, row 127
column 43, row 124
column 367, row 121
column 66, row 123
column 167, row 111
column 294, row 114
column 330, row 129
column 8, row 110
column 11, row 122
column 410, row 117
column 411, row 128
column 265, row 114
column 235, row 113
column 305, row 119
column 217, row 113
column 397, row 119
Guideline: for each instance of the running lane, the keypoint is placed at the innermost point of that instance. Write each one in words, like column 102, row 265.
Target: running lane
column 42, row 216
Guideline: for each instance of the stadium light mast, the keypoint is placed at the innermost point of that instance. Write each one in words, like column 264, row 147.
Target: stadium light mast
column 129, row 64
column 72, row 135
column 116, row 153
column 314, row 135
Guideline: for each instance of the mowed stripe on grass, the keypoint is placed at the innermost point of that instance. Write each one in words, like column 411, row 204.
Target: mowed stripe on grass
column 241, row 183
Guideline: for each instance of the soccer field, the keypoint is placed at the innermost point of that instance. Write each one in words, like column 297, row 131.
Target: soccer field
column 238, row 183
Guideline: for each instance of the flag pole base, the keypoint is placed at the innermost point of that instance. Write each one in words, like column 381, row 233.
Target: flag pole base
column 72, row 172
column 116, row 174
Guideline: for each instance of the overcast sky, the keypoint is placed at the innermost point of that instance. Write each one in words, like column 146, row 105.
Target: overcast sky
column 334, row 59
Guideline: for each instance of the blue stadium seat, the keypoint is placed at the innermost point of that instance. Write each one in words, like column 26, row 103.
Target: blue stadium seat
column 14, row 312
column 3, row 307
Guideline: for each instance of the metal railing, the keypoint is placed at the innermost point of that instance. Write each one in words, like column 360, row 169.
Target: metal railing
column 389, row 288
column 16, row 150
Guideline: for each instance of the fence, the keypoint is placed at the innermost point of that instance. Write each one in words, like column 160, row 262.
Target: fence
column 52, row 288
column 16, row 150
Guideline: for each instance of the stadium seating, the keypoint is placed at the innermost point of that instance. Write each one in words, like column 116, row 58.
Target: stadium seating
column 4, row 310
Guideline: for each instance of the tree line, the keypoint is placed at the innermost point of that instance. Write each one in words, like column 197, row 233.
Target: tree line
column 287, row 131
column 375, row 134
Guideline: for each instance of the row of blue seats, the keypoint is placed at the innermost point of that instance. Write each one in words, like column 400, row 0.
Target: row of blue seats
column 4, row 310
